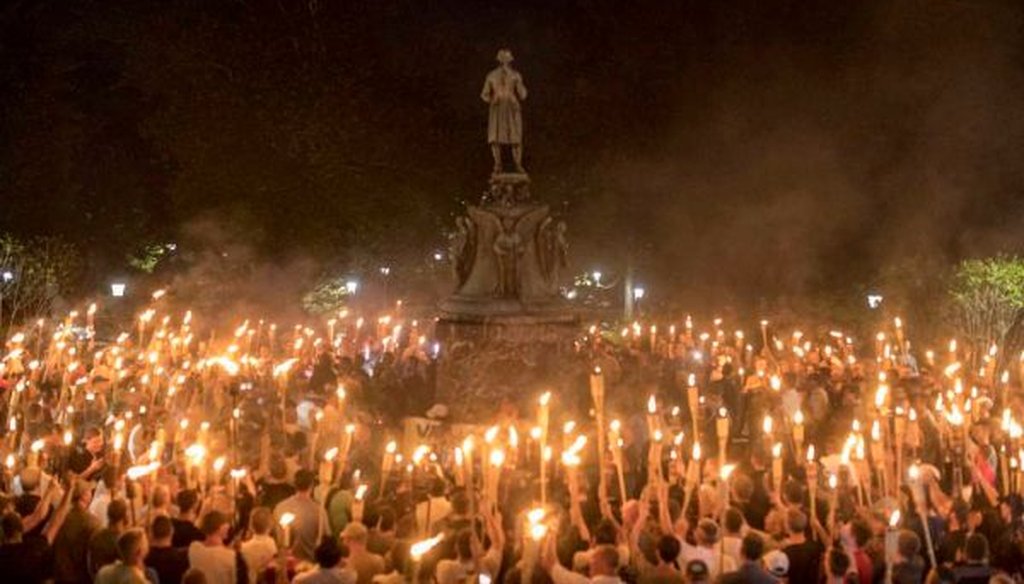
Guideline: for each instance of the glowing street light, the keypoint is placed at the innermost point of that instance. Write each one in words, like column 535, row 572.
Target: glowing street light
column 7, row 276
column 639, row 292
column 117, row 289
column 597, row 277
column 351, row 286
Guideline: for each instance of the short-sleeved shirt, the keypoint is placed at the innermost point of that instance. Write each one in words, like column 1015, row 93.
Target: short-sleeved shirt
column 804, row 561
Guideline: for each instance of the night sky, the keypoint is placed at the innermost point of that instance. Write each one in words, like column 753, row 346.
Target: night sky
column 734, row 149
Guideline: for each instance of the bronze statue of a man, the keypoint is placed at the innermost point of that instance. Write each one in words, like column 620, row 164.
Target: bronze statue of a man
column 504, row 89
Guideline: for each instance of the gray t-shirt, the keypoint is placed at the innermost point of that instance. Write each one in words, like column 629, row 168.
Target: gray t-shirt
column 309, row 526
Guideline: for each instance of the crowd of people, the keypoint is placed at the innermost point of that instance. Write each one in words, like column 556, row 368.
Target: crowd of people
column 278, row 456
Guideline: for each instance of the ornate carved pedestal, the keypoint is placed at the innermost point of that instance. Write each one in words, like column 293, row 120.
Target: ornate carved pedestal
column 506, row 328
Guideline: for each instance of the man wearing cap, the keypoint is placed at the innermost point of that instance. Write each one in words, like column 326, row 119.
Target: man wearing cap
column 751, row 571
column 366, row 564
column 310, row 517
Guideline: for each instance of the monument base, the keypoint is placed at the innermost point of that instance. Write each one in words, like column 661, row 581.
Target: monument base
column 493, row 359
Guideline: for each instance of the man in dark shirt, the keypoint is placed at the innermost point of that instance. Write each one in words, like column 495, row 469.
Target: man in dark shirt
column 975, row 569
column 87, row 458
column 956, row 534
column 184, row 526
column 26, row 560
column 103, row 543
column 170, row 563
column 275, row 488
column 804, row 554
column 71, row 546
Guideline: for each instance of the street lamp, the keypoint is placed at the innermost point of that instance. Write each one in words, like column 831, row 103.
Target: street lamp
column 117, row 289
column 8, row 276
column 385, row 270
column 638, row 293
column 597, row 277
column 351, row 286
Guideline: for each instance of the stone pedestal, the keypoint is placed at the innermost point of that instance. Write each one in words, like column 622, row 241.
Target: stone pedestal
column 506, row 328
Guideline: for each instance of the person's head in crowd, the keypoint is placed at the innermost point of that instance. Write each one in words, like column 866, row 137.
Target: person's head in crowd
column 132, row 547
column 776, row 562
column 605, row 533
column 604, row 561
column 706, row 533
column 304, row 481
column 278, row 468
column 775, row 524
column 696, row 572
column 908, row 545
column 328, row 553
column 160, row 499
column 752, row 547
column 261, row 520
column 742, row 488
column 668, row 549
column 161, row 531
column 30, row 478
column 12, row 527
column 354, row 536
column 214, row 526
column 861, row 531
column 837, row 563
column 81, row 493
column 188, row 499
column 796, row 522
column 976, row 549
column 1011, row 508
column 958, row 514
column 93, row 440
column 793, row 493
column 117, row 514
column 733, row 521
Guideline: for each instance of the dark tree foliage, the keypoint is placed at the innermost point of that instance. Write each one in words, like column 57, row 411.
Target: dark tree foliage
column 758, row 149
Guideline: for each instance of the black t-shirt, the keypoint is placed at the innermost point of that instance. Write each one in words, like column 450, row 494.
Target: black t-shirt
column 804, row 561
column 168, row 562
column 270, row 494
column 950, row 545
column 185, row 532
column 29, row 561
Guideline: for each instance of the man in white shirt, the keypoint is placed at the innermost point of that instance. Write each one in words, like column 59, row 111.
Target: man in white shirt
column 707, row 534
column 259, row 550
column 435, row 508
column 604, row 566
column 214, row 559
